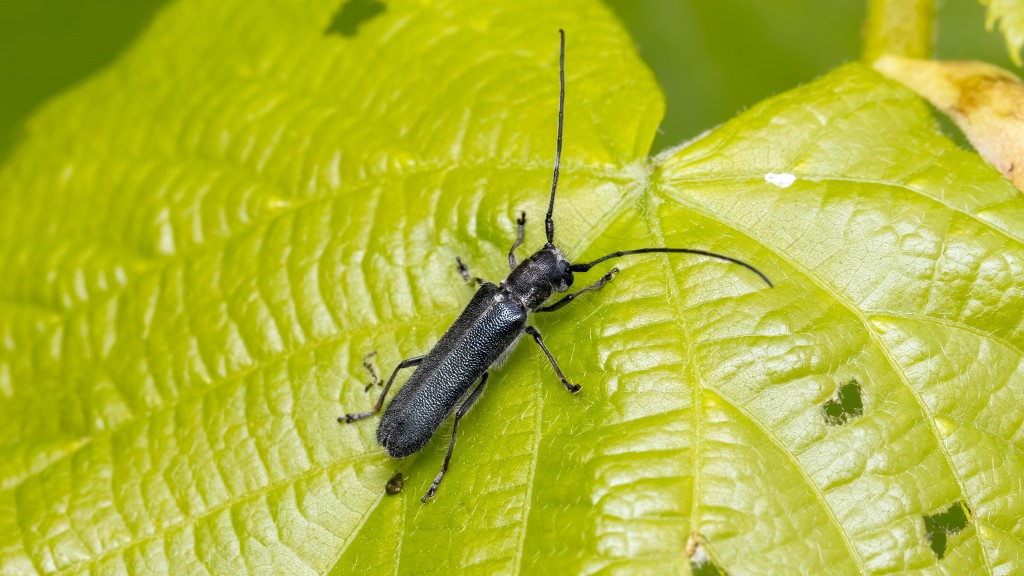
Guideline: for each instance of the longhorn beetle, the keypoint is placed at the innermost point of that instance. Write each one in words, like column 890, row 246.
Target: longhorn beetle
column 490, row 326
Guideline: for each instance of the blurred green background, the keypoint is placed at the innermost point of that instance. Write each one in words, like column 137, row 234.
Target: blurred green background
column 712, row 57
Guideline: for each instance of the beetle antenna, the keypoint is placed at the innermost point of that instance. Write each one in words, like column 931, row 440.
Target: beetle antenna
column 549, row 224
column 589, row 265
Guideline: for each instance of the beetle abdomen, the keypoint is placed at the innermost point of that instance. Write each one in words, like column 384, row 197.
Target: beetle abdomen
column 486, row 328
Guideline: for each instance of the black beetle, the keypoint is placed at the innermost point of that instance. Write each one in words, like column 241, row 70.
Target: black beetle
column 487, row 329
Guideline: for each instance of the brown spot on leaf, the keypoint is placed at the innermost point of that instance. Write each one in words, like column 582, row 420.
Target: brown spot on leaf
column 985, row 101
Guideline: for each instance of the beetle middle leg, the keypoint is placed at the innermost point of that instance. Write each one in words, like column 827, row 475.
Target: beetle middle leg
column 415, row 360
column 473, row 397
column 574, row 388
column 520, row 230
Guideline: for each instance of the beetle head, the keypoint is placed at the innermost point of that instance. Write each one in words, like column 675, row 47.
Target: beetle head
column 535, row 279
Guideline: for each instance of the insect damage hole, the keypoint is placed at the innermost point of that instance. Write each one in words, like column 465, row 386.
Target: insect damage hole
column 700, row 563
column 352, row 15
column 938, row 527
column 847, row 404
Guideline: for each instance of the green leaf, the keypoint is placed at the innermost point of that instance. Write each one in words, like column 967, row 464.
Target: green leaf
column 1010, row 16
column 201, row 244
column 899, row 262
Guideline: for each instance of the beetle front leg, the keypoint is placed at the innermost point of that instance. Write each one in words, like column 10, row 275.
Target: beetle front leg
column 604, row 280
column 473, row 397
column 347, row 418
column 574, row 388
column 465, row 273
column 520, row 231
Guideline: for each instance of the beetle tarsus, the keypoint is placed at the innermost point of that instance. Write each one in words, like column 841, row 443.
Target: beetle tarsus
column 374, row 379
column 433, row 488
column 349, row 418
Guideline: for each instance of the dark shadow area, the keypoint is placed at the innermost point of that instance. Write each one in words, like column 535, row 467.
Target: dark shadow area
column 847, row 404
column 701, row 563
column 707, row 568
column 951, row 130
column 714, row 59
column 47, row 47
column 352, row 15
column 939, row 526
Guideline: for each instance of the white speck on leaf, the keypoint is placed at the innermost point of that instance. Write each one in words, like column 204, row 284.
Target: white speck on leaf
column 780, row 180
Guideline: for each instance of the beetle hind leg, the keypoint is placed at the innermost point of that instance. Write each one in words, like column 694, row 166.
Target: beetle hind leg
column 348, row 418
column 473, row 397
column 374, row 379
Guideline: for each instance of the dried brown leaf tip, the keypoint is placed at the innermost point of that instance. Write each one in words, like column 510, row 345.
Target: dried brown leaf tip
column 985, row 101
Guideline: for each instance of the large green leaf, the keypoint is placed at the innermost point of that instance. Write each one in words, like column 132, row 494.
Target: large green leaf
column 200, row 245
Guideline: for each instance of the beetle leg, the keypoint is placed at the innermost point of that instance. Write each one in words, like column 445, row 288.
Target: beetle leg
column 473, row 397
column 380, row 400
column 373, row 372
column 520, row 225
column 465, row 273
column 574, row 388
column 604, row 280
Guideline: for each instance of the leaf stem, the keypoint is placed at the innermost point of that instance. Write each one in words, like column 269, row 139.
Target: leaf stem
column 899, row 28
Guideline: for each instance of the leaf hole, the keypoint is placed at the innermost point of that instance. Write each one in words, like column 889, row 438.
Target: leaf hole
column 938, row 527
column 847, row 404
column 700, row 563
column 353, row 14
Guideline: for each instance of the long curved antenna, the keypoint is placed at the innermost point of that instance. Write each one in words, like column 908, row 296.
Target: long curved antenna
column 549, row 224
column 589, row 265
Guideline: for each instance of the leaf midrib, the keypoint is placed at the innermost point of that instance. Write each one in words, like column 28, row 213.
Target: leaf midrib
column 672, row 281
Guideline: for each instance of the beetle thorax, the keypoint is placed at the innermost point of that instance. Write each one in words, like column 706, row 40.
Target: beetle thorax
column 535, row 279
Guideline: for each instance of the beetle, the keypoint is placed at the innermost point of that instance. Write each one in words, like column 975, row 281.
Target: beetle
column 488, row 328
